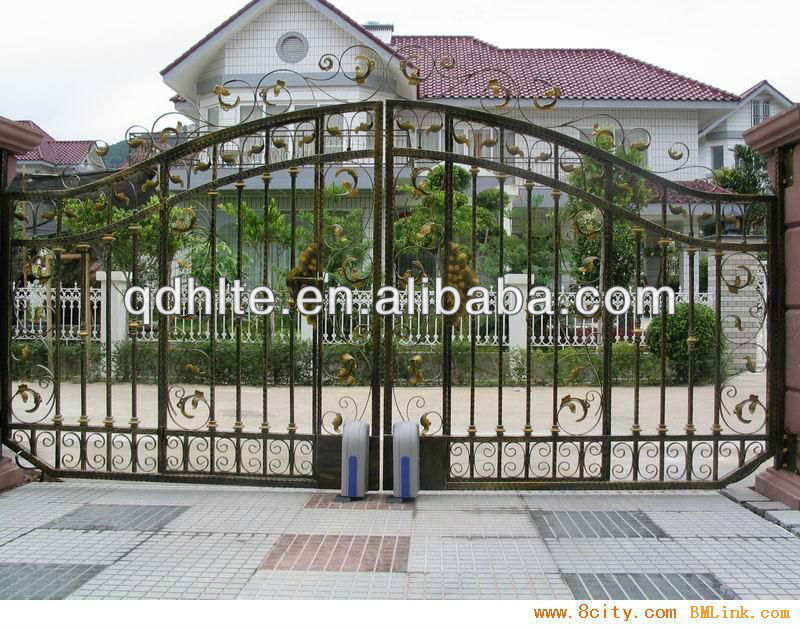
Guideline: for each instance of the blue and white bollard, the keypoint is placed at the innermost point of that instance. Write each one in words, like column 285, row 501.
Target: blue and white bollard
column 405, row 441
column 355, row 459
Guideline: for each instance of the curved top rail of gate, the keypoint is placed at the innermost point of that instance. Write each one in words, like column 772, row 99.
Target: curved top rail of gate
column 539, row 155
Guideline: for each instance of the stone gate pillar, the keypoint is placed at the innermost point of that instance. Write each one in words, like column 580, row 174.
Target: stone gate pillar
column 777, row 139
column 15, row 139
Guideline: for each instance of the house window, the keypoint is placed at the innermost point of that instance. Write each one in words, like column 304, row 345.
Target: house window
column 213, row 116
column 249, row 112
column 717, row 157
column 760, row 111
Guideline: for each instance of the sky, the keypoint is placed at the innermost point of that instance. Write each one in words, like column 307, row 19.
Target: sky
column 90, row 69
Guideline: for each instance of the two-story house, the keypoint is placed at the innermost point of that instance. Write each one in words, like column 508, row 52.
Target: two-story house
column 289, row 40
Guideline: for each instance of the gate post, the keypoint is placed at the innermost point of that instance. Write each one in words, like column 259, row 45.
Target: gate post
column 777, row 139
column 15, row 139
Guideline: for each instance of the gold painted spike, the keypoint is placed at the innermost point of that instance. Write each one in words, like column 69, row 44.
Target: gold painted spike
column 419, row 189
column 166, row 132
column 598, row 131
column 362, row 73
column 101, row 149
column 406, row 125
column 201, row 166
column 413, row 76
column 186, row 223
column 488, row 143
column 678, row 210
column 425, row 422
column 568, row 168
column 345, row 374
column 228, row 158
column 515, row 150
column 337, row 422
column 553, row 95
column 150, row 184
column 279, row 142
column 640, row 145
column 222, row 92
column 544, row 156
column 461, row 138
column 122, row 198
column 497, row 89
column 308, row 139
column 334, row 131
column 256, row 149
column 136, row 142
column 364, row 126
column 349, row 171
column 434, row 128
column 177, row 180
column 676, row 154
column 589, row 264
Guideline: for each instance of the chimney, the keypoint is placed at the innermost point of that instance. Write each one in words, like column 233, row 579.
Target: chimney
column 381, row 31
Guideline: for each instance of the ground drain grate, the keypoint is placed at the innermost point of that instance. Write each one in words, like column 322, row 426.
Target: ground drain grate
column 596, row 524
column 117, row 518
column 331, row 552
column 646, row 586
column 35, row 581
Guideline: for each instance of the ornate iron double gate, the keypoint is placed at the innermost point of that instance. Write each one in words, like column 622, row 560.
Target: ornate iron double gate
column 374, row 194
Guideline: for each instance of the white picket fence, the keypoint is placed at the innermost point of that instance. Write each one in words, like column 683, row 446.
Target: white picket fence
column 30, row 321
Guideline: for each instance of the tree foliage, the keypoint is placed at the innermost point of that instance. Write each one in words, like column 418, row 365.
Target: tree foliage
column 627, row 191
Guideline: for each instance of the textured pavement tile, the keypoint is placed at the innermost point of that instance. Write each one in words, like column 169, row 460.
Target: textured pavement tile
column 647, row 501
column 477, row 523
column 350, row 553
column 174, row 565
column 70, row 547
column 361, row 522
column 329, row 501
column 234, row 518
column 621, row 556
column 42, row 581
column 600, row 524
column 499, row 556
column 117, row 517
column 646, row 586
column 741, row 523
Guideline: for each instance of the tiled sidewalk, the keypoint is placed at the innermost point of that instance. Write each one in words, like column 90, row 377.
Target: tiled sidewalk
column 111, row 540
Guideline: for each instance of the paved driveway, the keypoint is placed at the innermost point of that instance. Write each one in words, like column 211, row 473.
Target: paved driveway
column 83, row 539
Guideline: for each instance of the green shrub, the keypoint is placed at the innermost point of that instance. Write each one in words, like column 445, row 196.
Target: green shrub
column 38, row 354
column 677, row 342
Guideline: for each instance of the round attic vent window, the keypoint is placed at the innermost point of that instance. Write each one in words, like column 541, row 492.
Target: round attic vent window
column 292, row 47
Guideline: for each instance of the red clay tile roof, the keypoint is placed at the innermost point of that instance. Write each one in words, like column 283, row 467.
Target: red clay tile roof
column 56, row 151
column 592, row 74
column 376, row 40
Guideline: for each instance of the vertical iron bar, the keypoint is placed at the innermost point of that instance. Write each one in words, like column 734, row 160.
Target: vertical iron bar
column 164, row 257
column 447, row 323
column 716, row 428
column 556, row 317
column 389, row 274
column 133, row 331
column 606, row 282
column 85, row 330
column 267, row 326
column 212, row 321
column 662, row 406
column 377, row 231
column 292, row 427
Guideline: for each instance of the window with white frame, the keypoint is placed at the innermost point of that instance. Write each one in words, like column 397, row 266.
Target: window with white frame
column 717, row 157
column 760, row 110
column 212, row 116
